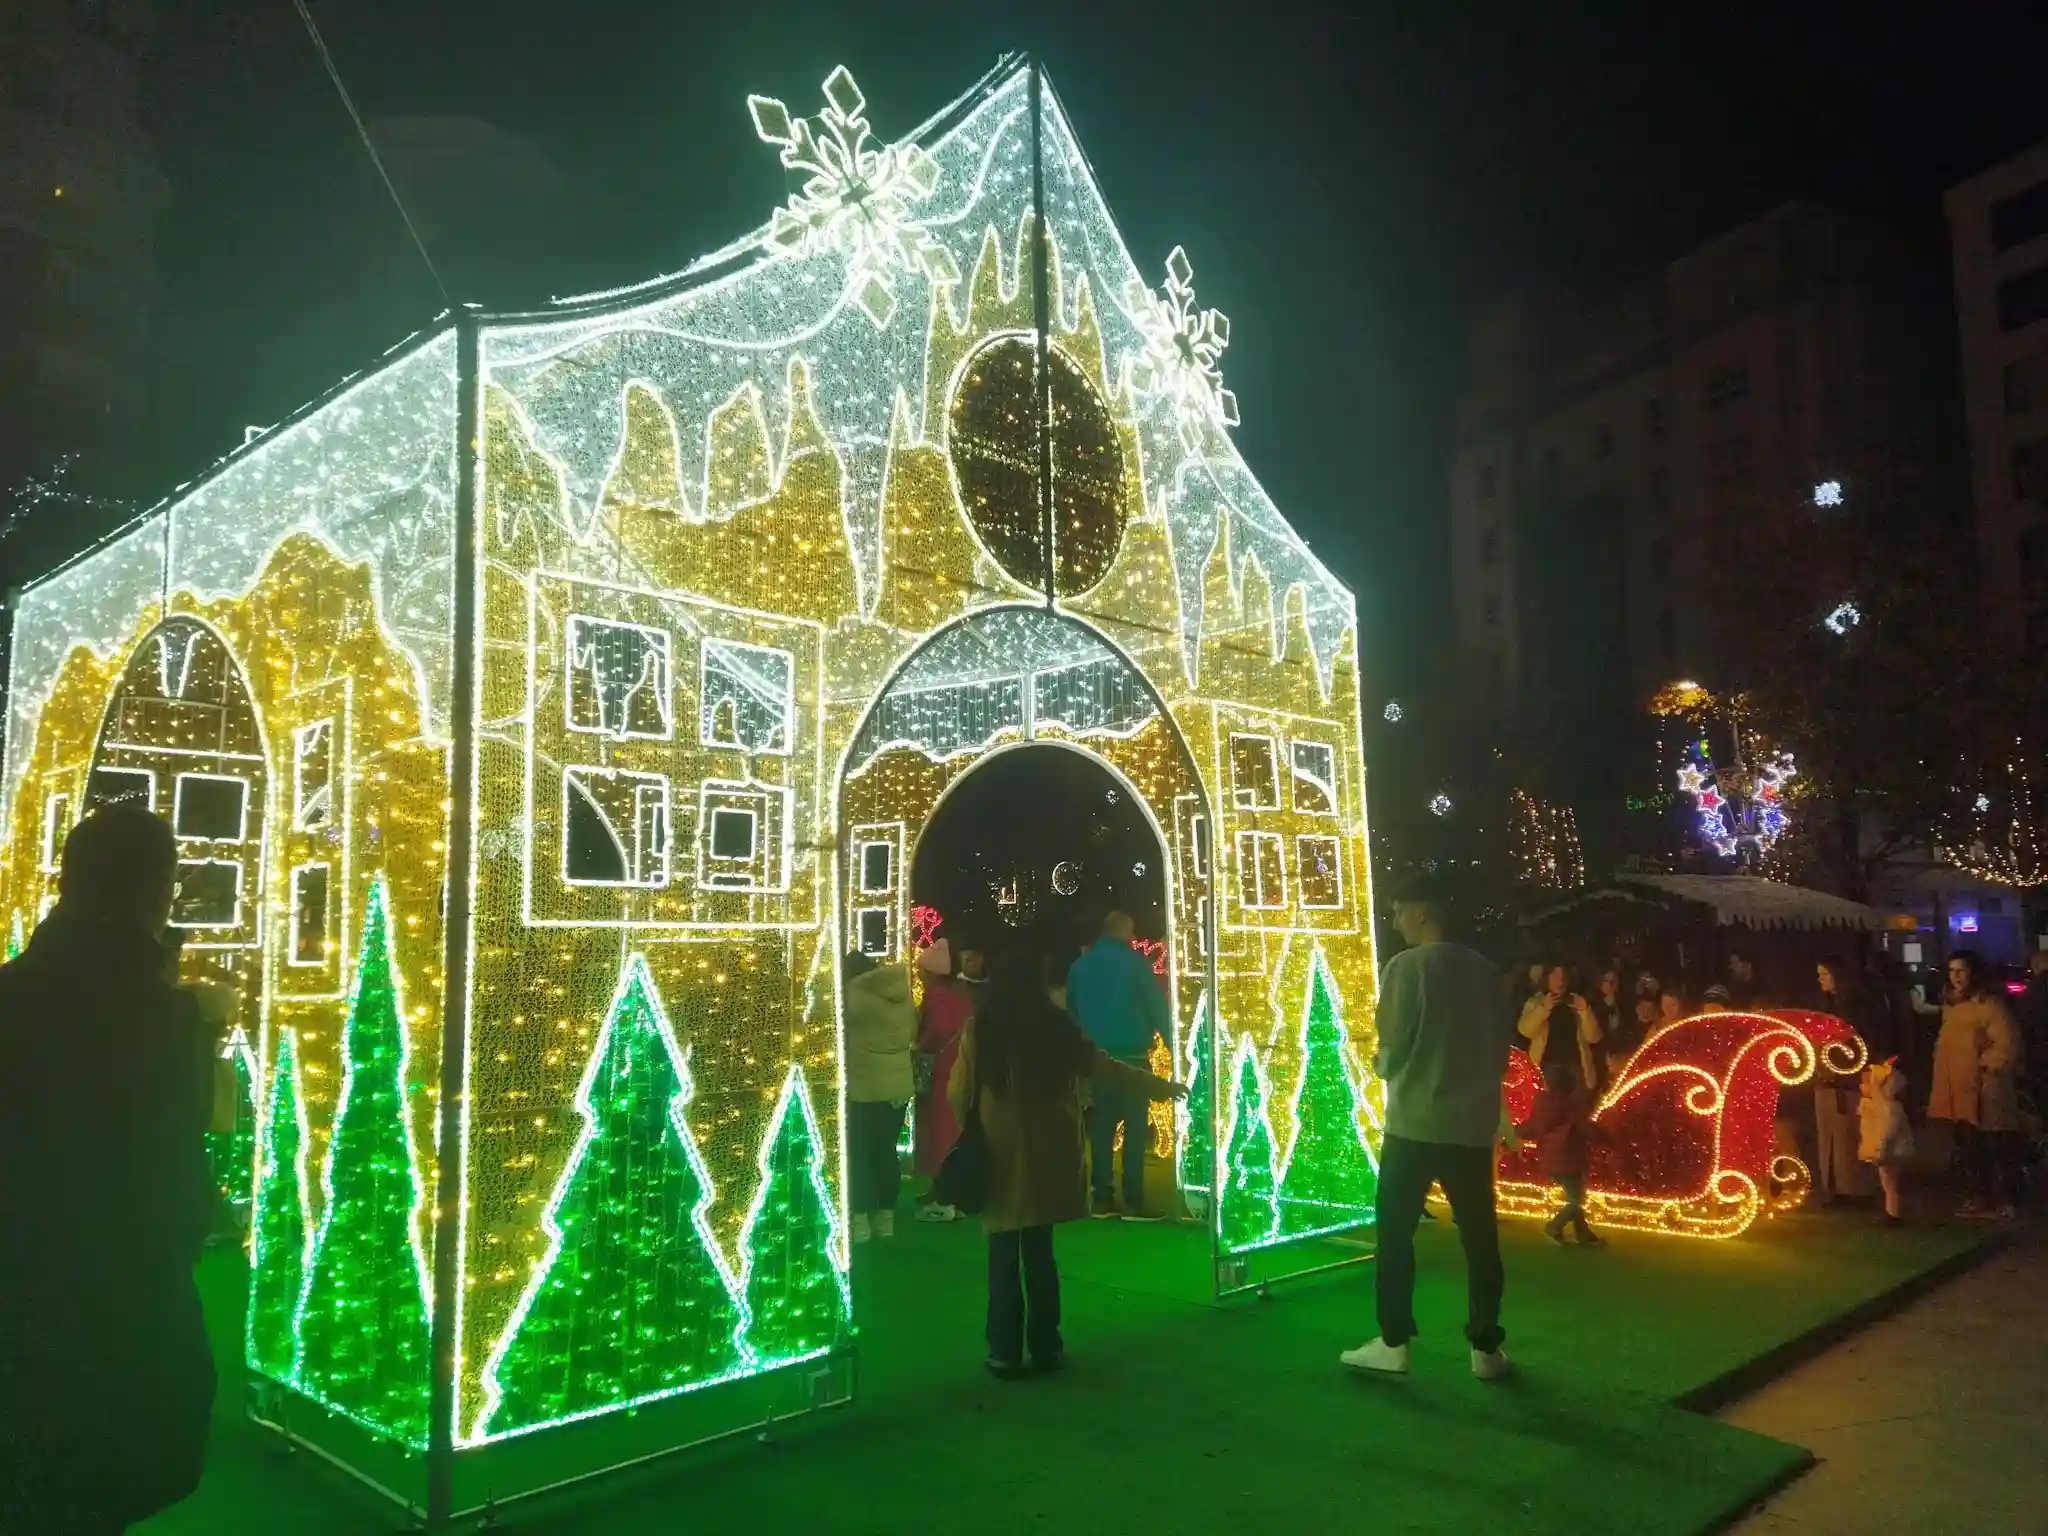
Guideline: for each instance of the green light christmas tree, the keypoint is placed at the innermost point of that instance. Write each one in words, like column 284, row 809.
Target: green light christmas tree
column 797, row 1298
column 633, row 1299
column 1198, row 1146
column 277, row 1255
column 231, row 1154
column 1251, row 1209
column 362, row 1324
column 1330, row 1180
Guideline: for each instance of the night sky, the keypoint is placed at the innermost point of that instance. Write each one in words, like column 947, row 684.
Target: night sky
column 1348, row 186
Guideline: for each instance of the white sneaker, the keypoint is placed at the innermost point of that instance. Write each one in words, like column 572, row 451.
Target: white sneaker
column 934, row 1211
column 1491, row 1364
column 862, row 1229
column 885, row 1223
column 1378, row 1355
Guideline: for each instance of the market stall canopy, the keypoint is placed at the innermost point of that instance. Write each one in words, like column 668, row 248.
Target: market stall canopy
column 1761, row 903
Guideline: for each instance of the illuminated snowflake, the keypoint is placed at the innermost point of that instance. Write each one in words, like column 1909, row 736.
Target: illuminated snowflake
column 1182, row 358
column 1983, row 802
column 1393, row 712
column 1828, row 494
column 1138, row 869
column 1439, row 805
column 1843, row 617
column 856, row 197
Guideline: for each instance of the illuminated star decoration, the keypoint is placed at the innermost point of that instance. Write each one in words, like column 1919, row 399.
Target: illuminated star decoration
column 1182, row 358
column 1393, row 712
column 856, row 197
column 1843, row 617
column 1828, row 493
column 1439, row 805
column 1734, row 821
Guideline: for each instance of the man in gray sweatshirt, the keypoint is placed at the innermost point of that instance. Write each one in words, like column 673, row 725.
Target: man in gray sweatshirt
column 1443, row 1032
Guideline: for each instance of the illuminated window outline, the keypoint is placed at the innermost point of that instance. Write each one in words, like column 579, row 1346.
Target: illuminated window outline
column 1248, row 845
column 865, row 918
column 862, row 851
column 722, row 816
column 240, row 894
column 1326, row 781
column 1243, row 796
column 93, row 804
column 768, row 872
column 1302, row 856
column 327, row 948
column 55, row 809
column 312, row 812
column 636, row 857
column 705, row 721
column 178, row 807
column 664, row 681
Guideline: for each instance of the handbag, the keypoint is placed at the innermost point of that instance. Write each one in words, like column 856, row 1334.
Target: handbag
column 969, row 1169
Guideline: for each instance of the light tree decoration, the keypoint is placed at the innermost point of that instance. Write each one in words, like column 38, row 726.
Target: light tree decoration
column 1182, row 359
column 856, row 197
column 1999, row 837
column 1543, row 841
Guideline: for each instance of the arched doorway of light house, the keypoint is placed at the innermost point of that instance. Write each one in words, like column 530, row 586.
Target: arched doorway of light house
column 1016, row 780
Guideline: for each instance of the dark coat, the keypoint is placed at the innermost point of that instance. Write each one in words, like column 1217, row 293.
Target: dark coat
column 106, row 1380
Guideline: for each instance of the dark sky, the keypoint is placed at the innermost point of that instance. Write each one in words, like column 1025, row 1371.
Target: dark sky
column 1348, row 181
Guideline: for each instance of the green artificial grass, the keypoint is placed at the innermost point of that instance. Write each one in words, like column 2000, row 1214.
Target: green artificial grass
column 1176, row 1415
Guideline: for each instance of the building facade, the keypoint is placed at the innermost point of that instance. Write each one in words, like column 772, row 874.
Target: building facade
column 1998, row 232
column 1611, row 450
column 80, row 194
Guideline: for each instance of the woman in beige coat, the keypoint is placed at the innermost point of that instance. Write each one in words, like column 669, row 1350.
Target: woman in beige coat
column 1560, row 1010
column 1026, row 1059
column 881, row 1027
column 1977, row 1062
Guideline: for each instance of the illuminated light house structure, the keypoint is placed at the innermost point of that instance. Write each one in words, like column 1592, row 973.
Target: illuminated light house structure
column 544, row 712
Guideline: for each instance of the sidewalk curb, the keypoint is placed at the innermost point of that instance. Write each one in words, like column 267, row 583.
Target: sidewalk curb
column 1732, row 1385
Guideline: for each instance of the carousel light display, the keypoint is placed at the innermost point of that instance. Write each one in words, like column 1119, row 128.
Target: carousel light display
column 746, row 593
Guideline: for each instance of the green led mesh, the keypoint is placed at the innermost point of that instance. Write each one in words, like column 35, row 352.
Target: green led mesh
column 633, row 1299
column 277, row 1255
column 797, row 1300
column 231, row 1154
column 362, row 1328
column 1198, row 1152
column 1330, row 1179
column 1251, row 1210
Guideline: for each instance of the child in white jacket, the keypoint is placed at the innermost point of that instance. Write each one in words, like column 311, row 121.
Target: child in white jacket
column 1884, row 1135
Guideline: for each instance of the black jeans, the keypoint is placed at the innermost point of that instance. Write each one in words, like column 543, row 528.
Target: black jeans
column 1994, row 1163
column 1407, row 1169
column 1119, row 1107
column 1023, row 1281
column 873, row 1170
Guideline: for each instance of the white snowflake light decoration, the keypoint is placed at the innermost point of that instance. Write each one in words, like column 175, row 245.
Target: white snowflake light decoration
column 1439, row 805
column 856, row 198
column 1828, row 494
column 1393, row 712
column 1182, row 357
column 1842, row 618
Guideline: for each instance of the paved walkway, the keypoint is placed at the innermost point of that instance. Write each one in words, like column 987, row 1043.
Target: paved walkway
column 1935, row 1420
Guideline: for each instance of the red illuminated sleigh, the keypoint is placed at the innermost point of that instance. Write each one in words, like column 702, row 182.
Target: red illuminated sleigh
column 1684, row 1139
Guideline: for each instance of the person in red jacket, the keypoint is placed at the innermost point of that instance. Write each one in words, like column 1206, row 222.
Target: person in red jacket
column 1561, row 1124
column 951, row 995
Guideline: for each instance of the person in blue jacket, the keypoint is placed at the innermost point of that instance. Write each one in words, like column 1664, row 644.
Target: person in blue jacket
column 1112, row 990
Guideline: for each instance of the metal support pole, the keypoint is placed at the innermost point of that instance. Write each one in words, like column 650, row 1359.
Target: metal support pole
column 455, row 924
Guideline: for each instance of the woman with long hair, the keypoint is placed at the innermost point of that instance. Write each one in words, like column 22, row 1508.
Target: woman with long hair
column 1024, row 1060
column 953, row 985
column 1560, row 1028
column 1977, row 1063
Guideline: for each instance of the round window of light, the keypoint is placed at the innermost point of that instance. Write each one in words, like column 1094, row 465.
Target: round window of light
column 992, row 435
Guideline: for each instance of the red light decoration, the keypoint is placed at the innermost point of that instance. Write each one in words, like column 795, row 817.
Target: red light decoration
column 1684, row 1140
column 1153, row 950
column 924, row 927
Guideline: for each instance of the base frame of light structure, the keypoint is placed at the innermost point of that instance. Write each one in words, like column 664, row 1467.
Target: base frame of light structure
column 377, row 599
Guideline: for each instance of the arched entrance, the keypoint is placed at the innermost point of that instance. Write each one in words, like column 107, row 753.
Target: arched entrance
column 988, row 686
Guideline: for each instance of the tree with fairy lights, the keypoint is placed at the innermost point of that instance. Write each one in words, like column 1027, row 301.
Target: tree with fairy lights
column 1251, row 1207
column 362, row 1331
column 633, row 1298
column 281, row 1227
column 1198, row 1148
column 1330, row 1177
column 797, row 1300
column 231, row 1154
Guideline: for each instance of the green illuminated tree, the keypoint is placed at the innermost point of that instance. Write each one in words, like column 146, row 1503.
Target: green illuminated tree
column 231, row 1154
column 363, row 1315
column 1330, row 1177
column 277, row 1256
column 797, row 1300
column 1198, row 1152
column 1251, row 1210
column 633, row 1298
